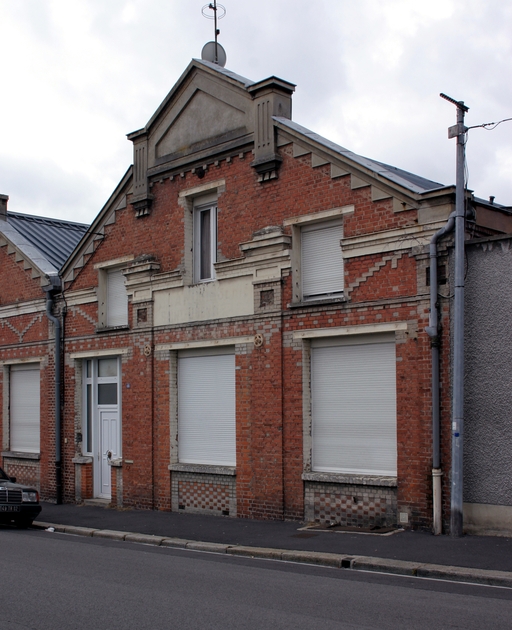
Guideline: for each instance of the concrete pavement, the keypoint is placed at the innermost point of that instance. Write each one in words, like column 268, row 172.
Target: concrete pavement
column 477, row 559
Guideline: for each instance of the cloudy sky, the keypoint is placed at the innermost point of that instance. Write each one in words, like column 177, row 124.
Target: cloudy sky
column 77, row 75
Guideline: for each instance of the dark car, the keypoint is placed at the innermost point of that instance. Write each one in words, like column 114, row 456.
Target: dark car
column 19, row 504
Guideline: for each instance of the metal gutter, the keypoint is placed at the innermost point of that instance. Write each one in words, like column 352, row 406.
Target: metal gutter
column 50, row 290
column 433, row 333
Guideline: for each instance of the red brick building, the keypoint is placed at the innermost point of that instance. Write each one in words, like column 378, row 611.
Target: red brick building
column 32, row 250
column 244, row 321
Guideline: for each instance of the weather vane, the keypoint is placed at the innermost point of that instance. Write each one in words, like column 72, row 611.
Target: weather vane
column 213, row 51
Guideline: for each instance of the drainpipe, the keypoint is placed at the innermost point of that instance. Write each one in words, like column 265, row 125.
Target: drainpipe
column 433, row 332
column 58, row 420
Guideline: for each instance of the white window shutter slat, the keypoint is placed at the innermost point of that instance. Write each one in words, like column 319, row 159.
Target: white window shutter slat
column 206, row 410
column 354, row 409
column 117, row 299
column 322, row 260
column 25, row 409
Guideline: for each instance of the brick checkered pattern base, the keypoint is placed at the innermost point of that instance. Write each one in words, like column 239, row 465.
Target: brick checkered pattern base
column 352, row 506
column 203, row 494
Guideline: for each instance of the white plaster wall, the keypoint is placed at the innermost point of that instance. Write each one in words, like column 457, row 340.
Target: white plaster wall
column 233, row 297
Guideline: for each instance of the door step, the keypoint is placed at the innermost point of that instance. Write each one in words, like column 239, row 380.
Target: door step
column 104, row 503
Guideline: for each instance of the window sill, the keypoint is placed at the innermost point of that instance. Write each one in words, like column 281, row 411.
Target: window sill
column 204, row 469
column 82, row 459
column 351, row 479
column 107, row 329
column 204, row 281
column 21, row 455
column 319, row 302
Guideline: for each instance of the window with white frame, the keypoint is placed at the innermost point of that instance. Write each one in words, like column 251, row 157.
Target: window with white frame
column 206, row 407
column 321, row 262
column 205, row 239
column 24, row 403
column 353, row 405
column 117, row 299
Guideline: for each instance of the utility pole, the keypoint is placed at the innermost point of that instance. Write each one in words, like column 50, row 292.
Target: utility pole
column 457, row 481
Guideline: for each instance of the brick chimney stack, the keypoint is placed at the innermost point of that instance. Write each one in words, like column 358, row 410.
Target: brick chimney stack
column 3, row 207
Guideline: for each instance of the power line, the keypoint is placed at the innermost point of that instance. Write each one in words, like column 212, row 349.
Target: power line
column 490, row 126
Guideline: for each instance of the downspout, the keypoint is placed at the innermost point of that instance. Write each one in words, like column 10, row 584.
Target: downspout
column 58, row 419
column 433, row 332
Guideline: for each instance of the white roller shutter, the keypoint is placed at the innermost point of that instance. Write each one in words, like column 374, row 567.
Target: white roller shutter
column 321, row 260
column 354, row 408
column 117, row 299
column 206, row 409
column 24, row 408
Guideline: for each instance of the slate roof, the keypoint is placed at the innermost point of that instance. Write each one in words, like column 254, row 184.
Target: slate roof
column 415, row 183
column 53, row 238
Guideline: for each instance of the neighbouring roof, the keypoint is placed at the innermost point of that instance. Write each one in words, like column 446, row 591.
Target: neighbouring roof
column 415, row 183
column 53, row 238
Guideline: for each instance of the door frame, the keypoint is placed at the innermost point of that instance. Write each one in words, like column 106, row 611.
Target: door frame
column 93, row 411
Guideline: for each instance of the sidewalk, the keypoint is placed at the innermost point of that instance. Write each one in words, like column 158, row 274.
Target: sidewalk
column 481, row 559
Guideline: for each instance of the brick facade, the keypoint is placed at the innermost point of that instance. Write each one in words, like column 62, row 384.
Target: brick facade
column 253, row 307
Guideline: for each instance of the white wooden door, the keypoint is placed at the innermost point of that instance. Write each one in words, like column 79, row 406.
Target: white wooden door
column 108, row 449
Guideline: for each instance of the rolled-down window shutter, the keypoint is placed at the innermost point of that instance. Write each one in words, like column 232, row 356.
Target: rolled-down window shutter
column 24, row 409
column 321, row 260
column 354, row 409
column 206, row 409
column 117, row 299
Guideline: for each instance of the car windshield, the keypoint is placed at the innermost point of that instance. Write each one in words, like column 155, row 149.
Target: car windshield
column 3, row 476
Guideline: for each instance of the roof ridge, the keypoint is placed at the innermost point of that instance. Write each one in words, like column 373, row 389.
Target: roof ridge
column 42, row 219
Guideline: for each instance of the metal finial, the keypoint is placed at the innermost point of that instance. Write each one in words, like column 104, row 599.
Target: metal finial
column 214, row 11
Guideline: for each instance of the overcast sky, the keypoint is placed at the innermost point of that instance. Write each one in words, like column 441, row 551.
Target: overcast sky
column 77, row 75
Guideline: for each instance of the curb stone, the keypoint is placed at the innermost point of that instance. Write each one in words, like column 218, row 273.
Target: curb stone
column 362, row 563
column 254, row 552
column 313, row 557
column 112, row 534
column 176, row 543
column 61, row 529
column 207, row 546
column 400, row 567
column 488, row 577
column 79, row 531
column 145, row 539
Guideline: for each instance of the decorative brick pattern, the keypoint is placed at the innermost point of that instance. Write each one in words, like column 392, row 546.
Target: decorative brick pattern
column 21, row 332
column 203, row 494
column 351, row 505
column 77, row 311
column 267, row 296
column 377, row 267
column 27, row 473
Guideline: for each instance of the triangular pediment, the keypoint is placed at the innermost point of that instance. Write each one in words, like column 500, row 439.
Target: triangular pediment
column 204, row 120
column 208, row 109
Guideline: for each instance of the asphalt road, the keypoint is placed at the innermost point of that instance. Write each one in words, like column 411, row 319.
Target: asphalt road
column 51, row 581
